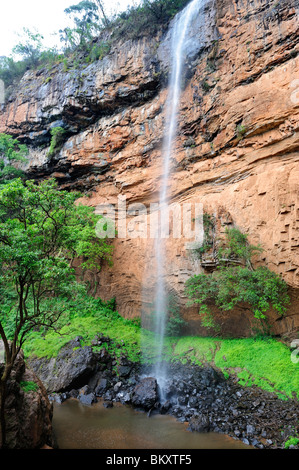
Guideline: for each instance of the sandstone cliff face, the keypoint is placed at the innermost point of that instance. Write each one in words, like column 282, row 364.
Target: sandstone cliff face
column 236, row 150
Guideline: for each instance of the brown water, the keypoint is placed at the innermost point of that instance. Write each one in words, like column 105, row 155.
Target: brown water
column 95, row 427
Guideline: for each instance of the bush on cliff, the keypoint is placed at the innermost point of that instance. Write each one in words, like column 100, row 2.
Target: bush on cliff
column 146, row 18
column 235, row 282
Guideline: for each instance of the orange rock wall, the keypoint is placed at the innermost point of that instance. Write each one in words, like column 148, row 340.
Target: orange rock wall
column 236, row 150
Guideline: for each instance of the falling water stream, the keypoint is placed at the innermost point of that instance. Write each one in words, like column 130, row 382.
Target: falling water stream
column 178, row 55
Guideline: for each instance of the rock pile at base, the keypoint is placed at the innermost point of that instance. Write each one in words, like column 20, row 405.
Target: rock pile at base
column 200, row 396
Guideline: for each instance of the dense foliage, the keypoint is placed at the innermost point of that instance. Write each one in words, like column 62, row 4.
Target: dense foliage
column 235, row 282
column 57, row 134
column 41, row 232
column 11, row 152
column 81, row 43
column 146, row 18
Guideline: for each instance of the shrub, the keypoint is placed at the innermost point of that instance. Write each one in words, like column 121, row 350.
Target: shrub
column 98, row 51
column 292, row 441
column 57, row 134
column 148, row 17
column 11, row 71
column 11, row 151
column 230, row 285
column 29, row 386
column 175, row 322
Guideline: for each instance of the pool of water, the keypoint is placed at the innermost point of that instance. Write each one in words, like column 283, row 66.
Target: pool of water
column 78, row 426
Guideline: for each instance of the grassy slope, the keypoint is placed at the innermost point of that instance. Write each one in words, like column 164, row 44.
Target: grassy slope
column 262, row 362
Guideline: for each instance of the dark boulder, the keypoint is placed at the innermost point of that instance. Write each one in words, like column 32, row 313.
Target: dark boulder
column 87, row 399
column 72, row 368
column 165, row 407
column 199, row 423
column 145, row 394
column 101, row 387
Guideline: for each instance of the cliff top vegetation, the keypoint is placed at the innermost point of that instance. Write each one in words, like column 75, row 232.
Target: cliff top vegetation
column 90, row 38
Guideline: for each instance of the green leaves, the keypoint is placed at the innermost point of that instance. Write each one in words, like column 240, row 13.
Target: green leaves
column 229, row 286
column 236, row 247
column 11, row 151
column 86, row 18
column 146, row 18
column 234, row 284
column 57, row 134
column 41, row 232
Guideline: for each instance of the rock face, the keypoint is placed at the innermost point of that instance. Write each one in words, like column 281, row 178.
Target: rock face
column 70, row 369
column 236, row 150
column 28, row 411
column 145, row 393
column 199, row 395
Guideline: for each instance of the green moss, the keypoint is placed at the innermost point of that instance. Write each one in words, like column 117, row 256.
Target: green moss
column 29, row 386
column 267, row 361
column 263, row 362
column 100, row 320
column 196, row 350
column 292, row 441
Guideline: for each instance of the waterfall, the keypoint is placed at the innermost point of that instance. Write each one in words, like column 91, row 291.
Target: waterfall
column 178, row 56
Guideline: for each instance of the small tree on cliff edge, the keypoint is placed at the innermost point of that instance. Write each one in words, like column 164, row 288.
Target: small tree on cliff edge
column 41, row 232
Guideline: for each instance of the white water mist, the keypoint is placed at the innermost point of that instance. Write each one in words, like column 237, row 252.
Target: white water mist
column 178, row 56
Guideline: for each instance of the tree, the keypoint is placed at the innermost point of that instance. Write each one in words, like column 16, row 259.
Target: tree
column 11, row 151
column 41, row 232
column 11, row 70
column 85, row 16
column 30, row 47
column 236, row 282
column 101, row 7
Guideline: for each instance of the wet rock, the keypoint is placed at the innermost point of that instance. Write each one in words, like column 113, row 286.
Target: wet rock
column 101, row 387
column 108, row 404
column 126, row 398
column 250, row 429
column 117, row 386
column 193, row 402
column 199, row 423
column 124, row 371
column 73, row 393
column 145, row 394
column 108, row 395
column 104, row 356
column 182, row 400
column 84, row 390
column 88, row 399
column 71, row 368
column 165, row 407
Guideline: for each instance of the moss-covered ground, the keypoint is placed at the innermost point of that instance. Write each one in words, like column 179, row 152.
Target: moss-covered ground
column 264, row 362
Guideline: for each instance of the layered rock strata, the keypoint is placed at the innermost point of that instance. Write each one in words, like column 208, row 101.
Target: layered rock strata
column 236, row 151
